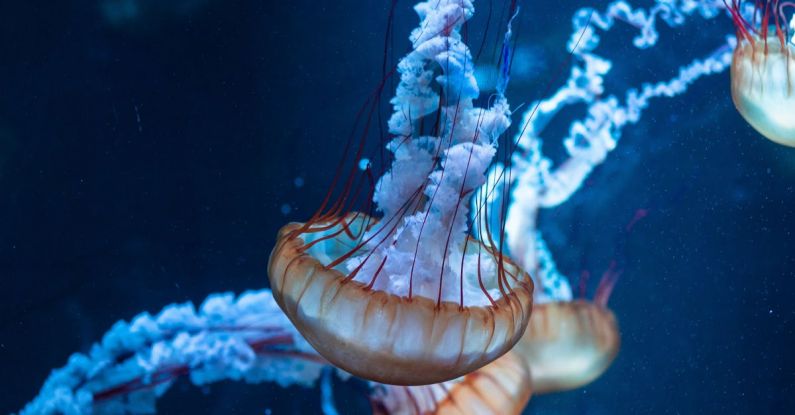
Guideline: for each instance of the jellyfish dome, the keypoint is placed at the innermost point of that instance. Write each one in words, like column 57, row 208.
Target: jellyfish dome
column 569, row 344
column 763, row 69
column 410, row 297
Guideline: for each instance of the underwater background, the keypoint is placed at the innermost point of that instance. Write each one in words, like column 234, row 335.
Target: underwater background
column 150, row 150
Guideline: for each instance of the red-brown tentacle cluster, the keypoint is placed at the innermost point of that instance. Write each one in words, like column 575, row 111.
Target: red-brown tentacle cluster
column 757, row 27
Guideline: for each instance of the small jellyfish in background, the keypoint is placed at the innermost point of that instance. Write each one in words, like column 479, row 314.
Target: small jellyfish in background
column 763, row 68
column 569, row 344
column 382, row 297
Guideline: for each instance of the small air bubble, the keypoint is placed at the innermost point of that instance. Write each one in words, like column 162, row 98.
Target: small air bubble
column 286, row 208
column 299, row 182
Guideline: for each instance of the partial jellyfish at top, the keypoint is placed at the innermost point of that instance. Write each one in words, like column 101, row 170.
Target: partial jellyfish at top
column 763, row 67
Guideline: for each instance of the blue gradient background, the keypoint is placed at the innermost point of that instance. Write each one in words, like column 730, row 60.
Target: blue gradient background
column 149, row 158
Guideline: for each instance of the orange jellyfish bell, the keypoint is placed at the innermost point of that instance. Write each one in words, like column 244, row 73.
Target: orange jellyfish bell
column 402, row 294
column 763, row 69
column 380, row 336
column 503, row 387
column 568, row 344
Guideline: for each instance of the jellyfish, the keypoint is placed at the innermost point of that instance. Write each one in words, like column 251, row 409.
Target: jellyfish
column 502, row 387
column 411, row 297
column 763, row 68
column 569, row 344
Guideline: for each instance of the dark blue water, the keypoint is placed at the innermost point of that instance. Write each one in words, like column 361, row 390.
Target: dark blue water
column 149, row 157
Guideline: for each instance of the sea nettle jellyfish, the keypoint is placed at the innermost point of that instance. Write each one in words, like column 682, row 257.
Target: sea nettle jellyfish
column 763, row 68
column 569, row 344
column 410, row 297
